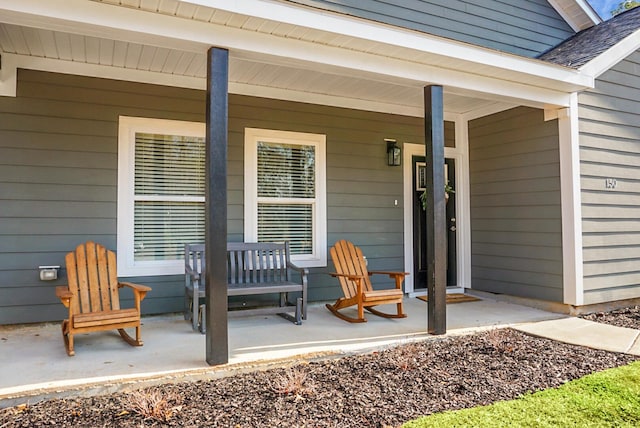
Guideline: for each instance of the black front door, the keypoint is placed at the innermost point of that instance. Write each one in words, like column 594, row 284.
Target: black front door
column 420, row 222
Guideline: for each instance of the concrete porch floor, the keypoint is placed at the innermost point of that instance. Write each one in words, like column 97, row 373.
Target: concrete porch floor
column 34, row 365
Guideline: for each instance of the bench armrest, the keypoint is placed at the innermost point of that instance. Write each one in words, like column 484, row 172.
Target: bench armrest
column 188, row 270
column 304, row 272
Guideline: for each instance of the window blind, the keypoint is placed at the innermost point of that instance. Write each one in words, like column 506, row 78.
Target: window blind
column 286, row 170
column 169, row 165
column 286, row 193
column 168, row 195
column 287, row 222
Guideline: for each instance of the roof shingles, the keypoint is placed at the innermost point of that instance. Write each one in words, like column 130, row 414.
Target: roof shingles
column 588, row 44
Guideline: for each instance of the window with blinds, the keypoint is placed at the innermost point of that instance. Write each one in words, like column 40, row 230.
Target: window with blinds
column 284, row 192
column 161, row 194
column 168, row 195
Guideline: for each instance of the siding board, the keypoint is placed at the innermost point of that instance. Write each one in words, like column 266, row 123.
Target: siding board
column 58, row 178
column 610, row 149
column 516, row 222
column 522, row 27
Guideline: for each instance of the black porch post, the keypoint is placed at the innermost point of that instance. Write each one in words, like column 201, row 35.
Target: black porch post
column 436, row 227
column 217, row 341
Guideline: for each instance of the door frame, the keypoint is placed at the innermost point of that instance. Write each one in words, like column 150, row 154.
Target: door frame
column 463, row 235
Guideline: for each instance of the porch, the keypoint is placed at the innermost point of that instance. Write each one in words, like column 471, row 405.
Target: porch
column 33, row 363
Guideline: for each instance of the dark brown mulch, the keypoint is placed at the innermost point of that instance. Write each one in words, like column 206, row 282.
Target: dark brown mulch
column 380, row 389
column 626, row 317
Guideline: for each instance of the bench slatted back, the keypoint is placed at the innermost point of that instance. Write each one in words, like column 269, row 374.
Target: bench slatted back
column 194, row 258
column 92, row 277
column 247, row 263
column 254, row 263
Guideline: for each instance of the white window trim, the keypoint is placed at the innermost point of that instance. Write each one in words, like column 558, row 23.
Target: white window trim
column 251, row 138
column 127, row 128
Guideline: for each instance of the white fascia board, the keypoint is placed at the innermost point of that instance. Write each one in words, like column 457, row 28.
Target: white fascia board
column 589, row 12
column 100, row 20
column 612, row 56
column 390, row 35
column 589, row 16
column 302, row 54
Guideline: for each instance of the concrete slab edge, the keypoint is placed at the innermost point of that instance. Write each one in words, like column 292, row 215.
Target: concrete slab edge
column 11, row 397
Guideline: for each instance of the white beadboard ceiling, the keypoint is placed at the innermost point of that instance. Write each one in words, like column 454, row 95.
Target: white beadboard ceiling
column 249, row 69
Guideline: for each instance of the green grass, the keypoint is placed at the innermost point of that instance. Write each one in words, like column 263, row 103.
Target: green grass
column 610, row 398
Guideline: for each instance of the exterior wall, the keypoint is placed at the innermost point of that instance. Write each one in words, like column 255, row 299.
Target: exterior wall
column 58, row 178
column 610, row 149
column 516, row 225
column 522, row 27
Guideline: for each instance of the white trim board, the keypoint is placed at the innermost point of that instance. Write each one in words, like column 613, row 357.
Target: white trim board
column 571, row 205
column 612, row 56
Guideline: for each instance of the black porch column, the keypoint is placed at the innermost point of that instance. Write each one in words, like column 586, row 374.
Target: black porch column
column 436, row 227
column 217, row 341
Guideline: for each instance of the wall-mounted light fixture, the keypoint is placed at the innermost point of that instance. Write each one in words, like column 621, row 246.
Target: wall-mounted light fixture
column 394, row 154
column 48, row 273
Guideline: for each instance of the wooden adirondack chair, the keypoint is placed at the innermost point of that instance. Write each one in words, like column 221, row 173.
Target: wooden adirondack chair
column 92, row 296
column 351, row 270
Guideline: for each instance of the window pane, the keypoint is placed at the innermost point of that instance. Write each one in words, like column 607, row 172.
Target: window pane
column 286, row 170
column 292, row 222
column 162, row 228
column 169, row 165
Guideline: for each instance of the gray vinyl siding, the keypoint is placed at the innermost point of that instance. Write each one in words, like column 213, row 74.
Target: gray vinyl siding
column 58, row 179
column 522, row 27
column 610, row 149
column 516, row 242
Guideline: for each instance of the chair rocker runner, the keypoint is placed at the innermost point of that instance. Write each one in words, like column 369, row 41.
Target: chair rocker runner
column 351, row 270
column 92, row 296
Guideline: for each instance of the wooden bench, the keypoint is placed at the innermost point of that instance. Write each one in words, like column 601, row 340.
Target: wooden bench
column 252, row 269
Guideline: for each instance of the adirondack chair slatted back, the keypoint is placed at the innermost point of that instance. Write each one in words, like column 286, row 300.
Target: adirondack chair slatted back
column 257, row 263
column 348, row 259
column 93, row 278
column 194, row 257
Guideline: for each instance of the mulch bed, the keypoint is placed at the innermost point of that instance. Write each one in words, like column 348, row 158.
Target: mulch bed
column 626, row 317
column 381, row 389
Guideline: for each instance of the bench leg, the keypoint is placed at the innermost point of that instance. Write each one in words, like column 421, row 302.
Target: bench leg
column 299, row 311
column 202, row 319
column 195, row 311
column 187, row 306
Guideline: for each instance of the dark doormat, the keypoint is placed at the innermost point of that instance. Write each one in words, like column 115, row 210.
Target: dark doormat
column 454, row 298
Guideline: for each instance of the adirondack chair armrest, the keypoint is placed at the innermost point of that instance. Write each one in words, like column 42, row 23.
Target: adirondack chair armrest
column 397, row 276
column 359, row 279
column 347, row 275
column 391, row 274
column 138, row 289
column 64, row 294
